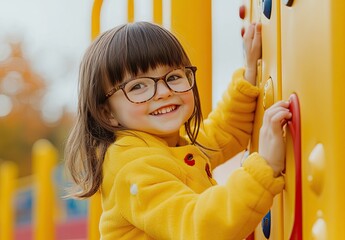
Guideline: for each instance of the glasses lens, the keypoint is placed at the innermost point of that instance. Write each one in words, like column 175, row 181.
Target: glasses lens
column 140, row 90
column 180, row 80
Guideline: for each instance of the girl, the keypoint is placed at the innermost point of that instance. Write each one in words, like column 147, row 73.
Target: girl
column 137, row 87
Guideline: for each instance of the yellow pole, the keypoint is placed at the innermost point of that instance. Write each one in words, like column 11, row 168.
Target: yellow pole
column 8, row 175
column 44, row 157
column 95, row 18
column 130, row 10
column 95, row 209
column 192, row 23
column 157, row 11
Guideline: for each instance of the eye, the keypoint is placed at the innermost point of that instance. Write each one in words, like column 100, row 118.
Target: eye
column 172, row 78
column 138, row 85
column 175, row 75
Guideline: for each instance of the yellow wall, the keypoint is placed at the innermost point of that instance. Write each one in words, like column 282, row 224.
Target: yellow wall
column 303, row 53
column 311, row 67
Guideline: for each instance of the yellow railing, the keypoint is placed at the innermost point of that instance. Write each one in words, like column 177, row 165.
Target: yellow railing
column 44, row 157
column 8, row 175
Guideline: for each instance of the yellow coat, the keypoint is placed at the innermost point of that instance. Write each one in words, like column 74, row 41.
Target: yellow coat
column 152, row 191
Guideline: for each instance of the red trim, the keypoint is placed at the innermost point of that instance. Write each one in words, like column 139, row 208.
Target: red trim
column 251, row 236
column 295, row 129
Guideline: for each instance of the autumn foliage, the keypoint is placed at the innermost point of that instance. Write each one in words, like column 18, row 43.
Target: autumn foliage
column 23, row 124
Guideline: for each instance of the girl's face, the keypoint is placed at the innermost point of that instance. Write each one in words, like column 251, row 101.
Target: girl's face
column 163, row 115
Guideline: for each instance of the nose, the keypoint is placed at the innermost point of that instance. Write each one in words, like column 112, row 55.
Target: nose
column 162, row 90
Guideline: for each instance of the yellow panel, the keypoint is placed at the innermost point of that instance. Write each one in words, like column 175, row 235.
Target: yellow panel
column 313, row 67
column 335, row 216
column 270, row 64
column 303, row 53
column 269, row 82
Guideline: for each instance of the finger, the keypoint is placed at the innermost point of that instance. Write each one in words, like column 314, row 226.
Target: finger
column 283, row 122
column 257, row 37
column 273, row 111
column 258, row 27
column 249, row 33
column 280, row 105
column 278, row 120
column 275, row 116
column 248, row 37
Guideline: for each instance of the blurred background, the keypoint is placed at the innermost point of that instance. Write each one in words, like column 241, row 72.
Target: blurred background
column 41, row 45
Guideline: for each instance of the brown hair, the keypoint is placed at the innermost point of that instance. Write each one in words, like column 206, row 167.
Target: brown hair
column 129, row 48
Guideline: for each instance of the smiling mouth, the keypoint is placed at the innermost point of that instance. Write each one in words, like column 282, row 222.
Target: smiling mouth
column 164, row 110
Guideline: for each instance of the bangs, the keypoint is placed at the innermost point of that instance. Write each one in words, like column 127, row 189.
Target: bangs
column 137, row 47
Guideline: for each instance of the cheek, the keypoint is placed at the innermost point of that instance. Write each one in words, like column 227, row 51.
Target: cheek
column 136, row 110
column 188, row 100
column 129, row 112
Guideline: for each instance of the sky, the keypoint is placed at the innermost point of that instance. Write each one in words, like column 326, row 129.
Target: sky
column 55, row 34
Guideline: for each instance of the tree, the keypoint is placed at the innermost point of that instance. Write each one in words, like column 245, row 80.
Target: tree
column 21, row 124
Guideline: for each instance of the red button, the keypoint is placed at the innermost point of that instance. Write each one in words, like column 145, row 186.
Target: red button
column 242, row 11
column 189, row 159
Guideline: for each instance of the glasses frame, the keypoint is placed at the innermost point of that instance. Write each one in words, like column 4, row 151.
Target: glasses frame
column 122, row 85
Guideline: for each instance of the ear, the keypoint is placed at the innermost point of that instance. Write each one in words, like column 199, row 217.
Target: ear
column 109, row 116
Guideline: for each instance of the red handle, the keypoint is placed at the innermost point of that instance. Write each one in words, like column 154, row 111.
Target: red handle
column 295, row 129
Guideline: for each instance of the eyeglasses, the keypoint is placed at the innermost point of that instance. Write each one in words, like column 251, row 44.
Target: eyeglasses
column 143, row 89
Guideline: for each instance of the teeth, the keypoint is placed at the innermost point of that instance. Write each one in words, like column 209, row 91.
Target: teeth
column 164, row 110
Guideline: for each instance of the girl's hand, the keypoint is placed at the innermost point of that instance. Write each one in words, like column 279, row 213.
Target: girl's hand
column 271, row 144
column 252, row 48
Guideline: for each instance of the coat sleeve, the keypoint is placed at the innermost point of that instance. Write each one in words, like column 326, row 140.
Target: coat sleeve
column 152, row 196
column 229, row 126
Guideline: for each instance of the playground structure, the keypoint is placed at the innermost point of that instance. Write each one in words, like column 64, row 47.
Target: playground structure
column 302, row 60
column 303, row 51
column 195, row 27
column 35, row 200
